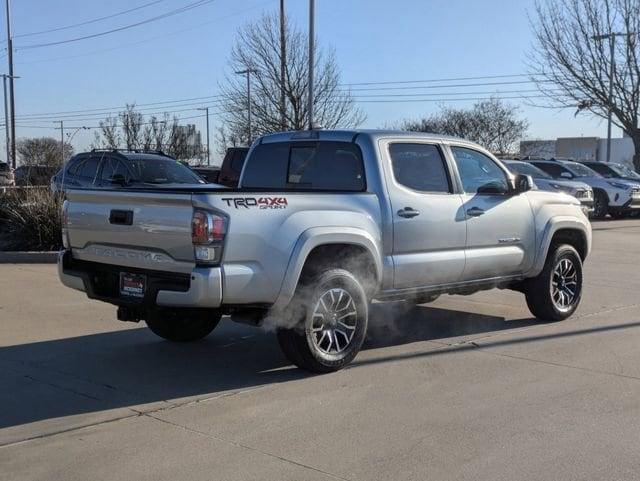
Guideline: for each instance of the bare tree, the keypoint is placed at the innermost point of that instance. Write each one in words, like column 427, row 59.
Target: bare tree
column 257, row 48
column 42, row 151
column 491, row 123
column 130, row 130
column 571, row 60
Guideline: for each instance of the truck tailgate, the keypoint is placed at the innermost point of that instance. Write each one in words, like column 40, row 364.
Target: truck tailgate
column 147, row 230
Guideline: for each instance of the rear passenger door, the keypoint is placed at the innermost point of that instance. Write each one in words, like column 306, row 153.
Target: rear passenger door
column 429, row 232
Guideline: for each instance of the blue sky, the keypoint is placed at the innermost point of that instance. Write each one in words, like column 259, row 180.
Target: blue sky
column 185, row 56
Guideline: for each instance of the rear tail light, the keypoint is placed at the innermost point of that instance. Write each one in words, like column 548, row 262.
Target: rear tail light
column 65, row 225
column 208, row 231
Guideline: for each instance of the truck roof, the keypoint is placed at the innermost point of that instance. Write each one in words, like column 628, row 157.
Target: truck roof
column 349, row 135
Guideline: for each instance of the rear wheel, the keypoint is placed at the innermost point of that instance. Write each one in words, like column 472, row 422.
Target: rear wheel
column 600, row 205
column 182, row 325
column 555, row 293
column 330, row 322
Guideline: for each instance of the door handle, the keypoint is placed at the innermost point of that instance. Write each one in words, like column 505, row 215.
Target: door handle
column 475, row 212
column 408, row 212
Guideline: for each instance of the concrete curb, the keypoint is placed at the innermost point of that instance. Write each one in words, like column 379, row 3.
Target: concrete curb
column 19, row 257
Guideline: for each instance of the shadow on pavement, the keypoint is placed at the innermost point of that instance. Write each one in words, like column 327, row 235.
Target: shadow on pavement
column 97, row 372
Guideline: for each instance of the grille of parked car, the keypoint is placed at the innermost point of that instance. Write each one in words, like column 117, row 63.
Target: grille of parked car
column 635, row 193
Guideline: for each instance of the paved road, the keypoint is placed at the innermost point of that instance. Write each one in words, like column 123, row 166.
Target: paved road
column 466, row 388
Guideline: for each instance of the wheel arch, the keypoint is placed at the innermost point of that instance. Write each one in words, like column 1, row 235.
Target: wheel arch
column 350, row 248
column 566, row 230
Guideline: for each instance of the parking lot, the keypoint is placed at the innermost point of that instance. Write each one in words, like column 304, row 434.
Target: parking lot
column 464, row 388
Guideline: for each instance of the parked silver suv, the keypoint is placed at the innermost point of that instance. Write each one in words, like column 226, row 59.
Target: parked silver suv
column 322, row 223
column 543, row 181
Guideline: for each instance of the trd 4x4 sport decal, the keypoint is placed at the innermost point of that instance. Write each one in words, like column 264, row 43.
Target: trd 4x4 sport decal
column 260, row 202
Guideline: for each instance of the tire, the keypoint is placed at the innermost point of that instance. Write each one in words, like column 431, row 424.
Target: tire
column 600, row 205
column 550, row 296
column 330, row 313
column 182, row 325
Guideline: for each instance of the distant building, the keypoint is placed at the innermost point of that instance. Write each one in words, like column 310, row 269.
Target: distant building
column 580, row 148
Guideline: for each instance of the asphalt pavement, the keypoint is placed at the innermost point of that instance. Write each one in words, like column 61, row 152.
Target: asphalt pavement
column 465, row 388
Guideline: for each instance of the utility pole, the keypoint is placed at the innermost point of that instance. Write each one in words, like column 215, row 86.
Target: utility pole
column 61, row 122
column 206, row 109
column 312, row 36
column 11, row 77
column 6, row 118
column 248, row 73
column 612, row 43
column 283, row 66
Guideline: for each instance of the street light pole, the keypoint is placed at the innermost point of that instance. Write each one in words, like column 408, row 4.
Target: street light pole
column 248, row 73
column 6, row 118
column 312, row 35
column 11, row 77
column 206, row 109
column 612, row 43
column 283, row 63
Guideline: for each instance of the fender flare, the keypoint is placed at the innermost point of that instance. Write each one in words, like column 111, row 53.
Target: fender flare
column 319, row 236
column 554, row 225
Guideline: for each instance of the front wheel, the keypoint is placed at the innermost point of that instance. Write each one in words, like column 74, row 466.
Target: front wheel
column 555, row 293
column 330, row 322
column 182, row 325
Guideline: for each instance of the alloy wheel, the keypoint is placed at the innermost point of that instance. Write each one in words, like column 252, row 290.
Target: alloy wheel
column 334, row 321
column 564, row 284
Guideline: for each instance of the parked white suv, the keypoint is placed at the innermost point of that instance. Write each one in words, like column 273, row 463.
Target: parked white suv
column 611, row 196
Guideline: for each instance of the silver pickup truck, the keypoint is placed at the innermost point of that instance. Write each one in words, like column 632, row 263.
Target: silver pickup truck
column 322, row 223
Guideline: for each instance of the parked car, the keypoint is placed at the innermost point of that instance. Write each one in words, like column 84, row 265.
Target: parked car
column 108, row 168
column 209, row 173
column 26, row 175
column 543, row 181
column 232, row 166
column 6, row 175
column 616, row 197
column 322, row 223
column 612, row 170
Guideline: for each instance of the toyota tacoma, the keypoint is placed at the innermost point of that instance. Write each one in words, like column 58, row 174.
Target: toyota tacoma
column 321, row 224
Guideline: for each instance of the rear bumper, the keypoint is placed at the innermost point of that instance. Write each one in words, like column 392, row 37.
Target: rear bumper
column 201, row 288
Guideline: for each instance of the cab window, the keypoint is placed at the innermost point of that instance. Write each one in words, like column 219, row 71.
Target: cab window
column 479, row 173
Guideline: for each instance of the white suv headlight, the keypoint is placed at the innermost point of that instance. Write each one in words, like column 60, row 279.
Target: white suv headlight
column 619, row 185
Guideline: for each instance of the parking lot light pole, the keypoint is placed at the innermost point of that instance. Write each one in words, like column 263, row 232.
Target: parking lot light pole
column 6, row 119
column 206, row 109
column 612, row 43
column 248, row 73
column 312, row 35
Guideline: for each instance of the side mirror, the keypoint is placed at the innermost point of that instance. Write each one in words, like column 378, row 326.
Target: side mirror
column 566, row 175
column 523, row 183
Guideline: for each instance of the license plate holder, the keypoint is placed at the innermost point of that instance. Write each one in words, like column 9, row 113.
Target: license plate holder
column 132, row 286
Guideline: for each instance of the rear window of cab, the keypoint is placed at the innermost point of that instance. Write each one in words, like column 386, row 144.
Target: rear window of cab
column 320, row 166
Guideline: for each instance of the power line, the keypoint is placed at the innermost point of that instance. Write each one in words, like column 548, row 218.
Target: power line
column 104, row 116
column 47, row 114
column 52, row 127
column 150, row 39
column 190, row 6
column 211, row 97
column 87, row 22
column 454, row 79
column 520, row 97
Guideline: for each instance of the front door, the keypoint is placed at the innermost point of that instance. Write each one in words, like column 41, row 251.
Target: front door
column 500, row 224
column 429, row 230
